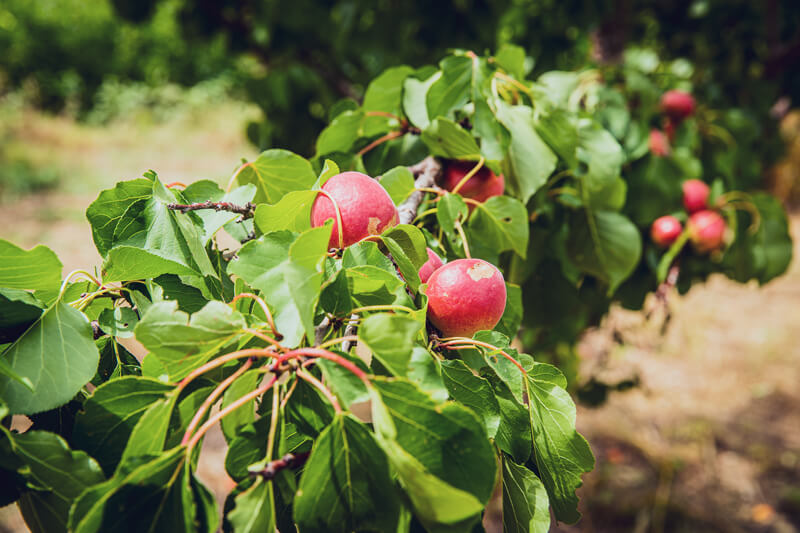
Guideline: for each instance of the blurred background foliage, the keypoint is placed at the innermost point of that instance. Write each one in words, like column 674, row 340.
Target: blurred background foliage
column 295, row 60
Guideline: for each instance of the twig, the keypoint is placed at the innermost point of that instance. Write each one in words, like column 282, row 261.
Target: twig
column 247, row 210
column 290, row 460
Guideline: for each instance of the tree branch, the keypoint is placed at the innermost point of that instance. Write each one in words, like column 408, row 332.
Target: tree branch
column 247, row 210
column 290, row 460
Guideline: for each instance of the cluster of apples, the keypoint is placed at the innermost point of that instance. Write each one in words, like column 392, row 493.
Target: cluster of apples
column 465, row 295
column 706, row 227
column 676, row 106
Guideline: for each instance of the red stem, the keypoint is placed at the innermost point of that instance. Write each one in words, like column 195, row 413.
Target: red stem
column 460, row 343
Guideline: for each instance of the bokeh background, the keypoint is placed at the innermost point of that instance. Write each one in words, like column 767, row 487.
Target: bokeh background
column 697, row 425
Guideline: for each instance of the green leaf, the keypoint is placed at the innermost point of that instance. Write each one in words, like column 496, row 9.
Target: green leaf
column 559, row 130
column 606, row 245
column 254, row 511
column 406, row 243
column 366, row 253
column 345, row 472
column 512, row 316
column 511, row 58
column 500, row 224
column 183, row 343
column 472, row 391
column 151, row 239
column 449, row 209
column 445, row 138
column 105, row 423
column 57, row 354
column 399, row 183
column 246, row 413
column 513, row 416
column 106, row 211
column 150, row 433
column 602, row 155
column 425, row 371
column 384, row 93
column 18, row 311
column 370, row 285
column 118, row 322
column 189, row 298
column 341, row 133
column 451, row 90
column 560, row 452
column 275, row 173
column 532, row 161
column 349, row 388
column 440, row 452
column 391, row 339
column 292, row 212
column 288, row 270
column 525, row 503
column 414, row 95
column 34, row 269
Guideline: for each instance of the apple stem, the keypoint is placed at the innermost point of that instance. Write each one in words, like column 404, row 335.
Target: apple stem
column 460, row 343
column 339, row 227
column 469, row 175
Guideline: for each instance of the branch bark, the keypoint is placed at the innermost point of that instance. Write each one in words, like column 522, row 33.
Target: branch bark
column 247, row 210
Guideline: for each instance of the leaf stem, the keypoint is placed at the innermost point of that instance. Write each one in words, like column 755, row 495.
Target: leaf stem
column 264, row 308
column 219, row 361
column 380, row 140
column 386, row 307
column 339, row 228
column 457, row 343
column 324, row 354
column 273, row 424
column 226, row 411
column 209, row 401
column 460, row 231
column 337, row 340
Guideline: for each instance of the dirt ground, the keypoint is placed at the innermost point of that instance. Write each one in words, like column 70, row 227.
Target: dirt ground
column 709, row 441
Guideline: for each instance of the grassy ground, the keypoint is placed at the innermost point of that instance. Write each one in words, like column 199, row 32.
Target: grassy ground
column 710, row 441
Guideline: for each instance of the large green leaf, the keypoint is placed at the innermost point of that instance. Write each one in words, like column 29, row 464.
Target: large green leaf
column 18, row 311
column 525, row 503
column 182, row 343
column 451, row 90
column 346, row 485
column 562, row 455
column 341, row 133
column 292, row 212
column 105, row 423
column 601, row 154
column 500, row 224
column 384, row 94
column 57, row 354
column 532, row 161
column 474, row 392
column 275, row 173
column 391, row 339
column 288, row 270
column 606, row 245
column 254, row 510
column 149, row 435
column 440, row 451
column 105, row 213
column 445, row 138
column 34, row 269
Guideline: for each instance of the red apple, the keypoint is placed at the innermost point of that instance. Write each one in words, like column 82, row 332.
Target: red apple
column 466, row 296
column 695, row 195
column 480, row 187
column 677, row 104
column 430, row 266
column 707, row 231
column 665, row 230
column 365, row 207
column 659, row 144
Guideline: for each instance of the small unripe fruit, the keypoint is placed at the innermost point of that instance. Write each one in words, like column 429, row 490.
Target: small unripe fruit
column 707, row 231
column 677, row 104
column 665, row 230
column 365, row 206
column 695, row 195
column 466, row 296
column 480, row 187
column 430, row 266
column 659, row 144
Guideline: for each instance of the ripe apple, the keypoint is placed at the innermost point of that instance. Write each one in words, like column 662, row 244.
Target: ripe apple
column 665, row 230
column 707, row 230
column 695, row 195
column 677, row 104
column 365, row 207
column 466, row 296
column 659, row 144
column 430, row 266
column 480, row 187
